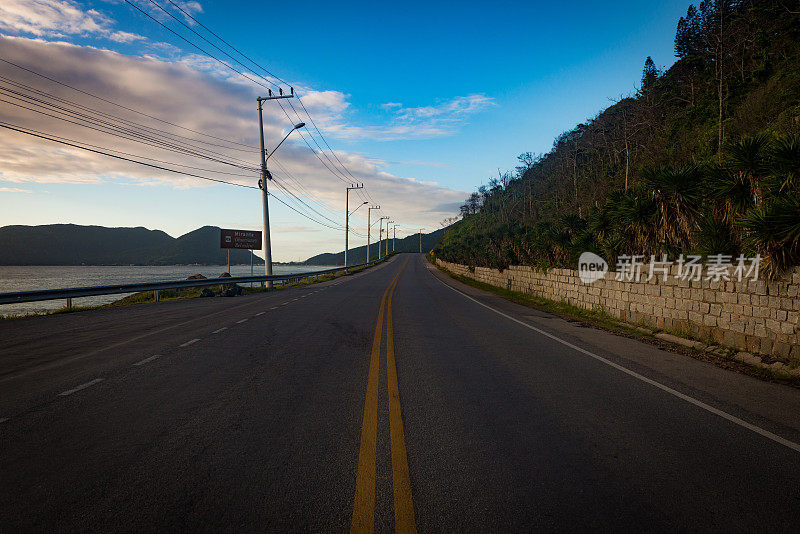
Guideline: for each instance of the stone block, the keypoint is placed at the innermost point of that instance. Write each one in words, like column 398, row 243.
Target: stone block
column 773, row 325
column 757, row 287
column 781, row 350
column 760, row 330
column 753, row 343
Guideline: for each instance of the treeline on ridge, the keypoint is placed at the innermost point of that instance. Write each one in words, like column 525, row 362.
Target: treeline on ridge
column 704, row 158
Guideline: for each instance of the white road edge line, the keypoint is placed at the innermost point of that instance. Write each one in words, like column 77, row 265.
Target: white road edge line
column 700, row 404
column 190, row 342
column 146, row 360
column 82, row 386
column 274, row 308
column 218, row 330
column 241, row 321
column 259, row 313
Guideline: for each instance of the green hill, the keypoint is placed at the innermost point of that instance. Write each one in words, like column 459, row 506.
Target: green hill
column 359, row 254
column 704, row 158
column 70, row 244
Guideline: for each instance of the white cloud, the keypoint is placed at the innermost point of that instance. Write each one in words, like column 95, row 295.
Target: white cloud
column 14, row 190
column 125, row 37
column 422, row 122
column 58, row 18
column 182, row 92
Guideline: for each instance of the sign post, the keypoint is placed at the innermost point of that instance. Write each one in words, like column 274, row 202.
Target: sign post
column 240, row 239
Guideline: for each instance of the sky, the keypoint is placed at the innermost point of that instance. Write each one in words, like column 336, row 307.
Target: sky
column 421, row 102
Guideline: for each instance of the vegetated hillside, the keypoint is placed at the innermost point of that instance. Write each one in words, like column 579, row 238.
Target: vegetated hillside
column 705, row 158
column 359, row 254
column 70, row 244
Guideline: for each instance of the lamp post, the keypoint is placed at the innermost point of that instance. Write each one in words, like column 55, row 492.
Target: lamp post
column 347, row 217
column 387, row 237
column 369, row 226
column 394, row 236
column 420, row 240
column 265, row 176
column 380, row 235
column 347, row 229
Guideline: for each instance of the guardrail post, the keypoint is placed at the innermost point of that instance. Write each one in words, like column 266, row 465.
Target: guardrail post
column 69, row 303
column 155, row 295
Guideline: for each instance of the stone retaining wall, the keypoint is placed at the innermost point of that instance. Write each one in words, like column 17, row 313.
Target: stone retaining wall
column 756, row 316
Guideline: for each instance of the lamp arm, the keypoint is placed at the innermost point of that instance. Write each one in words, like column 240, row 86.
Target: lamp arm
column 279, row 144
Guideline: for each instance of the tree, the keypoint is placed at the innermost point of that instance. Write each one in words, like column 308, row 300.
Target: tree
column 687, row 36
column 526, row 161
column 649, row 74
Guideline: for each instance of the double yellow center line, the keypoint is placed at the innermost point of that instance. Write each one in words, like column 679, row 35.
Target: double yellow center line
column 364, row 503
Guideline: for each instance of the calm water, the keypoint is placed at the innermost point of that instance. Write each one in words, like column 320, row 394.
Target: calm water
column 27, row 278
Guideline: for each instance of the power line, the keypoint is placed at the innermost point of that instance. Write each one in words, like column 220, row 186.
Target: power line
column 209, row 30
column 288, row 192
column 31, row 71
column 302, row 188
column 234, row 69
column 138, row 155
column 303, row 214
column 57, row 139
column 21, row 129
column 133, row 124
column 336, row 173
column 110, row 129
column 110, row 133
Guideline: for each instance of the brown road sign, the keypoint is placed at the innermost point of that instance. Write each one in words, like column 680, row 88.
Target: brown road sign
column 244, row 239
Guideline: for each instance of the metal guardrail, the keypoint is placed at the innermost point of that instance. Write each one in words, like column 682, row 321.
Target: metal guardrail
column 75, row 292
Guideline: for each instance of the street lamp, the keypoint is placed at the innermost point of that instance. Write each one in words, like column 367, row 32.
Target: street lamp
column 369, row 226
column 355, row 210
column 265, row 175
column 387, row 237
column 347, row 230
column 380, row 234
column 347, row 217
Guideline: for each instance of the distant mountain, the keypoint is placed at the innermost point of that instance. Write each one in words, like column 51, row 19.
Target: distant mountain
column 359, row 254
column 71, row 244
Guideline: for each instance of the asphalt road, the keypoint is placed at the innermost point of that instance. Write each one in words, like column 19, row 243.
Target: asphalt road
column 394, row 399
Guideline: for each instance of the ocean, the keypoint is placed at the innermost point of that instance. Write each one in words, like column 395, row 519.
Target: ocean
column 28, row 278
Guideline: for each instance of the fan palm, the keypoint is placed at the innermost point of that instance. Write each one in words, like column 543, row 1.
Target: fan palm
column 749, row 160
column 785, row 168
column 677, row 193
column 773, row 230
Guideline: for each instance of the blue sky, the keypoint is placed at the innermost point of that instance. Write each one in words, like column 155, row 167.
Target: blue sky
column 424, row 101
column 546, row 64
